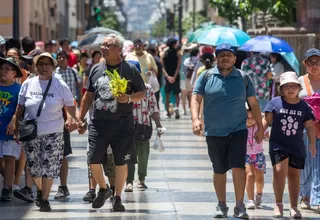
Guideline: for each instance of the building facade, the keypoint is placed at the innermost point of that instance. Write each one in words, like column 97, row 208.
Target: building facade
column 45, row 19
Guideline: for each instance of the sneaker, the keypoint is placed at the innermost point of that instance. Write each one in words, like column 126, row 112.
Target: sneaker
column 251, row 204
column 258, row 199
column 63, row 193
column 15, row 187
column 295, row 213
column 240, row 212
column 221, row 211
column 24, row 194
column 117, row 204
column 305, row 205
column 142, row 186
column 177, row 113
column 45, row 206
column 129, row 187
column 38, row 198
column 103, row 195
column 6, row 195
column 278, row 210
column 89, row 196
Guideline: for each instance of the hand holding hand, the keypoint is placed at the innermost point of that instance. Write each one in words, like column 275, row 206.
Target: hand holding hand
column 71, row 124
column 82, row 126
column 259, row 135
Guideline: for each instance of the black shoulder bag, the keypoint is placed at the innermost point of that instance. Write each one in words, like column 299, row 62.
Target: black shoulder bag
column 143, row 132
column 28, row 129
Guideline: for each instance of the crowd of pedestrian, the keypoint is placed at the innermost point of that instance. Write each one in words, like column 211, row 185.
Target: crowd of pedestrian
column 47, row 94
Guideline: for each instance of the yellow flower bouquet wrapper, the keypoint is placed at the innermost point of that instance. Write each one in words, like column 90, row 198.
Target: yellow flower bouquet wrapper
column 117, row 85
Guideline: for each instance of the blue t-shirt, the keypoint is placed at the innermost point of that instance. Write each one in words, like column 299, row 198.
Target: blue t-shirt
column 8, row 104
column 288, row 125
column 224, row 101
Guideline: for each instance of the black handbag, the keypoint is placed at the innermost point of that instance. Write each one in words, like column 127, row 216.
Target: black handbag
column 28, row 128
column 143, row 132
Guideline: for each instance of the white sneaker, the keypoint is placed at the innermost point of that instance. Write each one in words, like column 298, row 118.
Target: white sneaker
column 251, row 204
column 305, row 205
column 258, row 199
column 15, row 187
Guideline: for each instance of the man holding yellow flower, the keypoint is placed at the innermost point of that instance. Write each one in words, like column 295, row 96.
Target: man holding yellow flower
column 112, row 118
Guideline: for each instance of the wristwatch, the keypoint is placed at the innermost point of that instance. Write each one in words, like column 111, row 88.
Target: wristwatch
column 129, row 98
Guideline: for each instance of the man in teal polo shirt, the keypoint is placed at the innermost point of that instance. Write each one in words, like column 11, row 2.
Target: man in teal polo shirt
column 225, row 92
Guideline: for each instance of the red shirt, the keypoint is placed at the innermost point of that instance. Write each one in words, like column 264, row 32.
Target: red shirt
column 72, row 60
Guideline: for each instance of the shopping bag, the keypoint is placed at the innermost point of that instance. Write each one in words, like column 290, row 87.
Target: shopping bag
column 153, row 82
column 157, row 145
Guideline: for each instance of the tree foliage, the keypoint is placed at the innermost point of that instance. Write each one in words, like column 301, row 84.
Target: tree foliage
column 232, row 10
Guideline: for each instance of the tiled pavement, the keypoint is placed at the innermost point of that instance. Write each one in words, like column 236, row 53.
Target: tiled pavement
column 179, row 181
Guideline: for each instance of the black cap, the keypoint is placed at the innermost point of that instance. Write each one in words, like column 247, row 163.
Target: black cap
column 312, row 52
column 171, row 41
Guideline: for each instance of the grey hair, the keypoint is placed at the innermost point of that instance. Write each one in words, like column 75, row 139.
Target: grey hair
column 119, row 39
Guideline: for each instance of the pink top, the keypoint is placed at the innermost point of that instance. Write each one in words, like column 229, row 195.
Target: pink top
column 252, row 146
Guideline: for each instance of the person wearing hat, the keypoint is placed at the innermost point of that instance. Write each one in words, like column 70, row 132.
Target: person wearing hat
column 225, row 90
column 310, row 176
column 9, row 148
column 288, row 116
column 171, row 62
column 148, row 65
column 26, row 193
column 48, row 145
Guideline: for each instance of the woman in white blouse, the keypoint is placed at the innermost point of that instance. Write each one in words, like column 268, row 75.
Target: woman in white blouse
column 45, row 152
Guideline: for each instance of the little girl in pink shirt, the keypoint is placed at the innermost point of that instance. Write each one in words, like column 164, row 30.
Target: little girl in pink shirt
column 255, row 164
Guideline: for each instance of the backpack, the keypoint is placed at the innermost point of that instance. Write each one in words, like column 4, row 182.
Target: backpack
column 244, row 77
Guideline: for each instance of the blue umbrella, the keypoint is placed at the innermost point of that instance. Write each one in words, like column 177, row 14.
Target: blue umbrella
column 292, row 61
column 266, row 44
column 92, row 40
column 224, row 35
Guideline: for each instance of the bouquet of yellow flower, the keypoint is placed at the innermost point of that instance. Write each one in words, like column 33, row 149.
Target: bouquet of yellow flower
column 117, row 85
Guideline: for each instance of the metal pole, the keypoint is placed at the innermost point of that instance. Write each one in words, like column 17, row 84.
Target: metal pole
column 180, row 20
column 194, row 16
column 16, row 23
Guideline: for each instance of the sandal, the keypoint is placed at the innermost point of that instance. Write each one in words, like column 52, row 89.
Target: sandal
column 295, row 213
column 278, row 210
column 129, row 188
column 142, row 186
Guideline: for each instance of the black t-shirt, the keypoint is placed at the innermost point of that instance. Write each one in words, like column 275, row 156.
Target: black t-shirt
column 170, row 61
column 105, row 106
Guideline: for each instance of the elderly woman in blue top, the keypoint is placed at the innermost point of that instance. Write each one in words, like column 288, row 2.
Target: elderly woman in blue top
column 225, row 90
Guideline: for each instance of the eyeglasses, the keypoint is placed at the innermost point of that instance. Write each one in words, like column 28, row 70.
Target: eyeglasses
column 291, row 86
column 6, row 69
column 227, row 55
column 311, row 63
column 138, row 45
column 44, row 64
column 107, row 46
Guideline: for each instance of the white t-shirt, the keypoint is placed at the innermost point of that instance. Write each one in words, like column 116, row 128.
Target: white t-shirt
column 59, row 95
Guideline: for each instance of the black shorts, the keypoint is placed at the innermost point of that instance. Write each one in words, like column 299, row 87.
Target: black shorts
column 118, row 134
column 172, row 87
column 228, row 152
column 280, row 155
column 67, row 143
